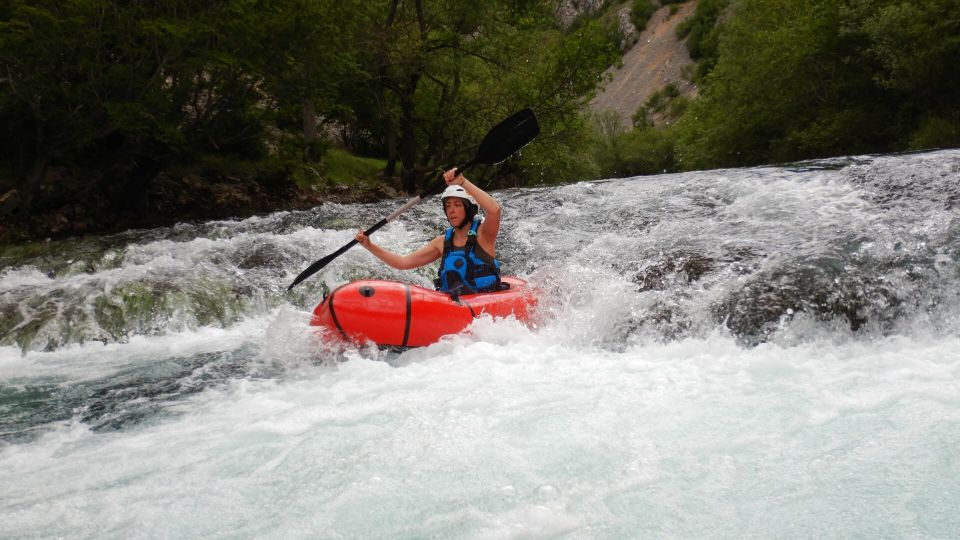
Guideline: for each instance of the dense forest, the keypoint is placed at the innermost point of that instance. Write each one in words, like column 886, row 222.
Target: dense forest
column 786, row 80
column 115, row 113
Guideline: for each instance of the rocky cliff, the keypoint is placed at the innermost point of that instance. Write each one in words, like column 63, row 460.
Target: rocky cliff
column 655, row 60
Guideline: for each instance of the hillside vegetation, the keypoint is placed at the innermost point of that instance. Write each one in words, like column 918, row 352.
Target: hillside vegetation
column 107, row 101
column 116, row 113
column 784, row 80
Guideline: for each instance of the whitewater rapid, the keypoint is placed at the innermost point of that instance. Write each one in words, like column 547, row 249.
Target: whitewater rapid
column 756, row 353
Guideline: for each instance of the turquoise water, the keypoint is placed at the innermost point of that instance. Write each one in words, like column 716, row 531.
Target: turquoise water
column 755, row 353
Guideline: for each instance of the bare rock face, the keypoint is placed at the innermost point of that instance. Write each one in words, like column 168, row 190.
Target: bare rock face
column 569, row 10
column 656, row 59
column 625, row 27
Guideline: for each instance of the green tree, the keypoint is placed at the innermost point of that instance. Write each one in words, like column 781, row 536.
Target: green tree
column 810, row 78
column 560, row 86
column 702, row 34
column 302, row 53
column 125, row 89
column 444, row 72
column 116, row 91
column 791, row 81
column 917, row 45
column 115, row 86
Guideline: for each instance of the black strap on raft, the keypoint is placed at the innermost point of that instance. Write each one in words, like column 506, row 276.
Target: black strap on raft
column 458, row 286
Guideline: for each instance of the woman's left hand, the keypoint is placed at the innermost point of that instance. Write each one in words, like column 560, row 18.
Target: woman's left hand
column 362, row 239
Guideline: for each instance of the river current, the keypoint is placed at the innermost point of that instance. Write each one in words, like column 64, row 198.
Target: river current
column 768, row 352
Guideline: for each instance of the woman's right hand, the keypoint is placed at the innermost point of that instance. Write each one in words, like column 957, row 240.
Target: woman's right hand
column 451, row 177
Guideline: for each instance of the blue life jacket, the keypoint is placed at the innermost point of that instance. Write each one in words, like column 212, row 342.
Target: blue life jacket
column 467, row 269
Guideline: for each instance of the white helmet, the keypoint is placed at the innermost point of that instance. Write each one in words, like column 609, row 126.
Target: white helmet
column 457, row 191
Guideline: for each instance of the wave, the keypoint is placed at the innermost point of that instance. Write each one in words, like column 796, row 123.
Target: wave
column 866, row 244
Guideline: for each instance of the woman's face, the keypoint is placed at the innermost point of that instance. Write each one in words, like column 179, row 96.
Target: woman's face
column 454, row 210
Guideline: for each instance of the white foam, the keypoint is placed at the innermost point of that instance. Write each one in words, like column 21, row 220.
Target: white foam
column 523, row 437
column 93, row 360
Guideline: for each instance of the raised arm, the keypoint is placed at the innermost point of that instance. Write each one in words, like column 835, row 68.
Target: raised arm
column 490, row 228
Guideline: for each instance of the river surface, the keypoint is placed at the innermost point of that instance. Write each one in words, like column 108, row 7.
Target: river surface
column 769, row 352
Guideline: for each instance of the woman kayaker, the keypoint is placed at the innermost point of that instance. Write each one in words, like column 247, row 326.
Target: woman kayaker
column 467, row 249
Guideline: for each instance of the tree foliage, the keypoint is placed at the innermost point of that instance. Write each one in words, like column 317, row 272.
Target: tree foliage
column 797, row 79
column 117, row 91
column 125, row 89
column 128, row 88
column 445, row 71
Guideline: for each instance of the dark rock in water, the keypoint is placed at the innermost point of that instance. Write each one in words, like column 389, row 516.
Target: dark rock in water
column 755, row 311
column 899, row 183
column 682, row 268
column 263, row 255
column 668, row 321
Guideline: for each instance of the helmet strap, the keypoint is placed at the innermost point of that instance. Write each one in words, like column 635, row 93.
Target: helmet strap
column 472, row 210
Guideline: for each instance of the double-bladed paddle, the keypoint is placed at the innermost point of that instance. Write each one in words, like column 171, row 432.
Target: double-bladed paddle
column 500, row 143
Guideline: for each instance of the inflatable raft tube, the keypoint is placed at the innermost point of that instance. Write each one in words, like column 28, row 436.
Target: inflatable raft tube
column 394, row 314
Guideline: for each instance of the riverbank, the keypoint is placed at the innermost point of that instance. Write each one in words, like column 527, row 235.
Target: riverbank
column 78, row 207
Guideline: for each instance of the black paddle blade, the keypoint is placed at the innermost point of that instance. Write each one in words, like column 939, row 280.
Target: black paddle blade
column 507, row 137
column 313, row 269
